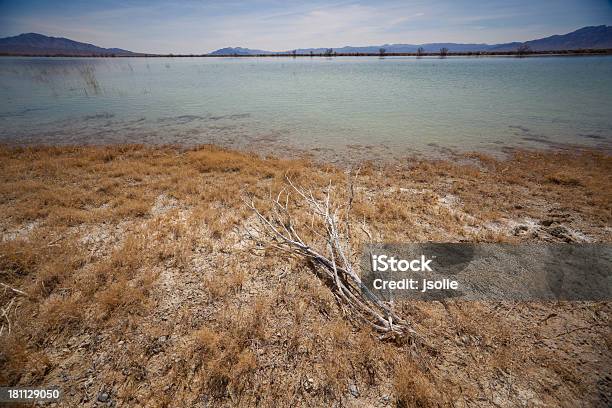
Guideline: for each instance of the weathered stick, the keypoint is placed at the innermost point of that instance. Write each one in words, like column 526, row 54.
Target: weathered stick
column 280, row 231
column 13, row 289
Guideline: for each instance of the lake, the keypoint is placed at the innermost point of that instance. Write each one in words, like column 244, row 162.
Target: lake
column 368, row 105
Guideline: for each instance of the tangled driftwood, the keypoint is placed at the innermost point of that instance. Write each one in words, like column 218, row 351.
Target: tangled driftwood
column 331, row 256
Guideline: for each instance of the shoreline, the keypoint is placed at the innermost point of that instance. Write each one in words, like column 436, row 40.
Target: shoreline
column 588, row 52
column 343, row 157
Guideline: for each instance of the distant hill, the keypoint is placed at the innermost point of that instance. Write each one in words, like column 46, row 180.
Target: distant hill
column 239, row 51
column 596, row 37
column 38, row 44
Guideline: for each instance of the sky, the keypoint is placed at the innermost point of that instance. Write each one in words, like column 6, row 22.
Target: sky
column 200, row 26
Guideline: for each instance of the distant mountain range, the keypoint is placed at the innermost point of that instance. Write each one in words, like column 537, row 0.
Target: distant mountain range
column 596, row 37
column 38, row 44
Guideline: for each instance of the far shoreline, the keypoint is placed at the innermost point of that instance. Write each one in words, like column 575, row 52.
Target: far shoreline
column 558, row 53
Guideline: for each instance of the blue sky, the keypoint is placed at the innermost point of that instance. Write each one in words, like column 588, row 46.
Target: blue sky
column 197, row 26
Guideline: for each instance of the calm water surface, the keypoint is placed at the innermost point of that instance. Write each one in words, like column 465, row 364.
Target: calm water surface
column 394, row 105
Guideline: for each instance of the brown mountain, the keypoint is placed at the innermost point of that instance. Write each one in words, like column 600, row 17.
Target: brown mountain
column 38, row 44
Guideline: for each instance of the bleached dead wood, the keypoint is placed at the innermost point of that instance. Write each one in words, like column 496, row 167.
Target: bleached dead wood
column 6, row 309
column 329, row 251
column 4, row 285
column 5, row 313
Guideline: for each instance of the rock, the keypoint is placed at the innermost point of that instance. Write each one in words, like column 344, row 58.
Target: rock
column 103, row 397
column 353, row 390
column 520, row 229
column 557, row 231
column 560, row 232
column 308, row 384
column 162, row 339
column 547, row 223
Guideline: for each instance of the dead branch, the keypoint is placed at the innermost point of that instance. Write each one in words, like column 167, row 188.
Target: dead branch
column 6, row 309
column 5, row 313
column 331, row 257
column 13, row 289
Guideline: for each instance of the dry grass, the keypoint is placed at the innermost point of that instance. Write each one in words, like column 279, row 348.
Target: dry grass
column 140, row 281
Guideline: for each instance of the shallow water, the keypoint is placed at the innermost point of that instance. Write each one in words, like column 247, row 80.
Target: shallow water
column 394, row 105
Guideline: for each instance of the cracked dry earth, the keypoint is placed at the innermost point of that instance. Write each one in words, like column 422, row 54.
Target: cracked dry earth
column 144, row 288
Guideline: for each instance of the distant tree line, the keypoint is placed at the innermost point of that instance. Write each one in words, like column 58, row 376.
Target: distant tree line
column 520, row 51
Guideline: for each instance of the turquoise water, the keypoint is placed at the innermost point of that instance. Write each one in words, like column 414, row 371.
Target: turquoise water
column 398, row 104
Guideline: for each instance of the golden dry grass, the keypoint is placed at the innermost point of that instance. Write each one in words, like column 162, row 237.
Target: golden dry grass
column 140, row 281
